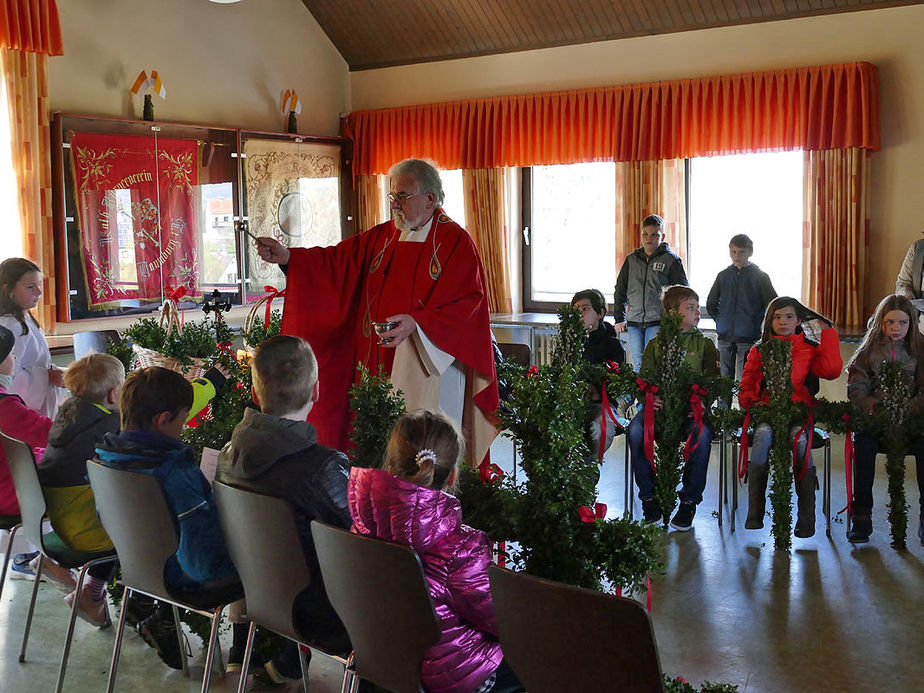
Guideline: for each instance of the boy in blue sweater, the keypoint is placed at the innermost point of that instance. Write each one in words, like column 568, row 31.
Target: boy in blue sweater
column 737, row 302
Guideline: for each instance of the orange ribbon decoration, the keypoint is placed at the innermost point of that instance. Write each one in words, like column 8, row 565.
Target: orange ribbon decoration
column 697, row 392
column 274, row 294
column 649, row 390
column 588, row 515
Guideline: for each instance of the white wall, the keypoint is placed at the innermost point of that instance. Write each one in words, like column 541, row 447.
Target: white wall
column 221, row 64
column 889, row 38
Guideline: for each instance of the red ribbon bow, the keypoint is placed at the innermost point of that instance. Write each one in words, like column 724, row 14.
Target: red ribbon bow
column 612, row 367
column 175, row 295
column 848, row 466
column 588, row 515
column 489, row 472
column 532, row 370
column 697, row 392
column 274, row 293
column 649, row 416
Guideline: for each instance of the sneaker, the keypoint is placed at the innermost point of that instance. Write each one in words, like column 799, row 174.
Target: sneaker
column 651, row 511
column 683, row 518
column 139, row 608
column 236, row 659
column 93, row 611
column 160, row 633
column 860, row 529
column 57, row 575
column 19, row 566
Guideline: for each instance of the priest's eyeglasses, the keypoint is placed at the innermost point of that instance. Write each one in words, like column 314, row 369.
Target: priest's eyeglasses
column 401, row 198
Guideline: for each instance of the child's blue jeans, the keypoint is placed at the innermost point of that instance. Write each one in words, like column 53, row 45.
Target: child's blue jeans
column 638, row 340
column 694, row 471
column 763, row 439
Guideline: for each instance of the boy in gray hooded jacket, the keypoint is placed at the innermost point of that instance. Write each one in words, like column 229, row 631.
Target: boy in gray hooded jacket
column 276, row 452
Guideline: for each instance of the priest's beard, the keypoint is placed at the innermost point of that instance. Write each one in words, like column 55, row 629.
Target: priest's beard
column 397, row 216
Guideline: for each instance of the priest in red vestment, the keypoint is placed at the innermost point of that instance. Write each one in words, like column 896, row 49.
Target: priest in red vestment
column 421, row 271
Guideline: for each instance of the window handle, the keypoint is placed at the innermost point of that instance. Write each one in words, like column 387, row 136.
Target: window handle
column 526, row 236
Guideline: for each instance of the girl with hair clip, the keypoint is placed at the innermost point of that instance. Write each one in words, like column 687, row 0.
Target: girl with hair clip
column 408, row 502
column 810, row 360
column 36, row 379
column 891, row 337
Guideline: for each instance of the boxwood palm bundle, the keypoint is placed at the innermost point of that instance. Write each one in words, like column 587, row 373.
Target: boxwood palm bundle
column 557, row 529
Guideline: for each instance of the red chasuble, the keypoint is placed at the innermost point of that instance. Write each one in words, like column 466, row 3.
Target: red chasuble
column 334, row 294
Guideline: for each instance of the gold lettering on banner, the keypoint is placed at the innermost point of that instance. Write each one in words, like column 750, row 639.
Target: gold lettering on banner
column 172, row 245
column 134, row 179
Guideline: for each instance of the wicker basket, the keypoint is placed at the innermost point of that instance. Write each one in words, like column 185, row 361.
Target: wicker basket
column 169, row 321
column 265, row 303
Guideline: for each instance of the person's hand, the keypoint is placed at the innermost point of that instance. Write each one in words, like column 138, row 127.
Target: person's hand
column 621, row 326
column 8, row 365
column 396, row 335
column 272, row 251
column 656, row 403
column 56, row 377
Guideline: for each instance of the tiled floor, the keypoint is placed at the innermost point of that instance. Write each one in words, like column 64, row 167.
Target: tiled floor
column 826, row 617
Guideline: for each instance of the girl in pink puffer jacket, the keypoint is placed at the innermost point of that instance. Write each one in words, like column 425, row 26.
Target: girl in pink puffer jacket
column 405, row 502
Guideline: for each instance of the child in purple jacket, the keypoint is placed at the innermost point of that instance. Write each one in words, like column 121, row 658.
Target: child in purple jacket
column 406, row 502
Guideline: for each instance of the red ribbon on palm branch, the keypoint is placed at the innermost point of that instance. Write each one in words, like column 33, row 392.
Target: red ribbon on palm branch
column 274, row 293
column 809, row 427
column 588, row 515
column 697, row 392
column 606, row 411
column 489, row 472
column 848, row 466
column 649, row 416
column 744, row 446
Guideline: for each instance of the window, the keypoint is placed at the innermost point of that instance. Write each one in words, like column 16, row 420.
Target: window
column 454, row 202
column 10, row 243
column 571, row 237
column 756, row 194
column 570, row 213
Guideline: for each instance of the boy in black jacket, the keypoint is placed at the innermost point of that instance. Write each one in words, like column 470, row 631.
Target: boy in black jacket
column 602, row 345
column 275, row 451
column 737, row 302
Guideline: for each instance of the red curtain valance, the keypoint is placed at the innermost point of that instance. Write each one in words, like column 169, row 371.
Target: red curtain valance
column 31, row 26
column 824, row 107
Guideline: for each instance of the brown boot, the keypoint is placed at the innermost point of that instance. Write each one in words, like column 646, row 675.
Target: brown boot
column 805, row 490
column 757, row 495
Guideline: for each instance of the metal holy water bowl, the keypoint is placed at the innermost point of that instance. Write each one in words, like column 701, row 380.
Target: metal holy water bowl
column 382, row 327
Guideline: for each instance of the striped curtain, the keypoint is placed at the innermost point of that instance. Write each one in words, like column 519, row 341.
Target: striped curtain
column 836, row 233
column 485, row 218
column 370, row 207
column 650, row 187
column 27, row 88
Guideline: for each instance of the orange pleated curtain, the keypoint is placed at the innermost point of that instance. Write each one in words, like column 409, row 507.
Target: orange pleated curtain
column 29, row 33
column 485, row 216
column 651, row 128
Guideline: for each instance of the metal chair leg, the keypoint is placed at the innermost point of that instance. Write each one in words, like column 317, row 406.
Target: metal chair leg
column 210, row 652
column 7, row 555
column 25, row 635
column 117, row 647
column 245, row 665
column 827, row 492
column 70, row 629
column 721, row 475
column 303, row 663
column 179, row 637
column 734, row 483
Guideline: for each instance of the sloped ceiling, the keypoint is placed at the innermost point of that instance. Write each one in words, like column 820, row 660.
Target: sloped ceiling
column 382, row 33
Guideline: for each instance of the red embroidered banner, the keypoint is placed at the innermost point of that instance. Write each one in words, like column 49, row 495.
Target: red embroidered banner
column 137, row 216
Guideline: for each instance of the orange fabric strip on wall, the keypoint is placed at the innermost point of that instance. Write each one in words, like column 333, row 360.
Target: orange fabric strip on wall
column 31, row 26
column 823, row 107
